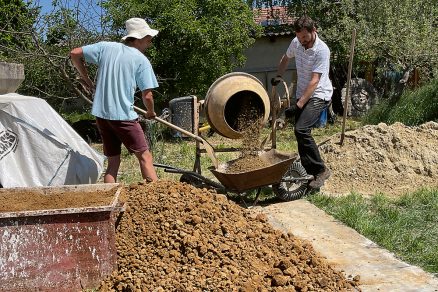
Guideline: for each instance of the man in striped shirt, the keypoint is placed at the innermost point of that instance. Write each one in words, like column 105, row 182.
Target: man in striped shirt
column 313, row 95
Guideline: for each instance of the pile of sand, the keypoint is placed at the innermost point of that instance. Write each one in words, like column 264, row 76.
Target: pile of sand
column 391, row 159
column 174, row 237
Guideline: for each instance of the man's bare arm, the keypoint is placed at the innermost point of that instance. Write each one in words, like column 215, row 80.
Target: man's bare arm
column 283, row 65
column 148, row 101
column 77, row 58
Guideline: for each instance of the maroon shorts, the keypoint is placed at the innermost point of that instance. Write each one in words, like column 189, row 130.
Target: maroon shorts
column 114, row 133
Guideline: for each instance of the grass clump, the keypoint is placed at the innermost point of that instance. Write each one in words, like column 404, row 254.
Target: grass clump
column 73, row 117
column 412, row 108
column 406, row 226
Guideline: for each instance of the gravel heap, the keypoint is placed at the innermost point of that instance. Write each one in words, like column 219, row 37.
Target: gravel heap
column 391, row 159
column 174, row 237
column 245, row 164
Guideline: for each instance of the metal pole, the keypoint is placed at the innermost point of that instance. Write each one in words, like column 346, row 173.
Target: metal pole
column 347, row 95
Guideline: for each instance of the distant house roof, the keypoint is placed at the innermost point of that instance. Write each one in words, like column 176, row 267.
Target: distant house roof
column 275, row 20
column 275, row 15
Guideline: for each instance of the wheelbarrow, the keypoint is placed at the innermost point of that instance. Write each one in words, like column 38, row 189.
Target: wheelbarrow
column 226, row 96
column 283, row 172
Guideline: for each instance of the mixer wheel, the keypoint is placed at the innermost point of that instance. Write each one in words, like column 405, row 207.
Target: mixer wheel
column 290, row 191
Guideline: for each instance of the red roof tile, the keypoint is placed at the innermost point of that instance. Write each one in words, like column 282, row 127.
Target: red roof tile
column 276, row 15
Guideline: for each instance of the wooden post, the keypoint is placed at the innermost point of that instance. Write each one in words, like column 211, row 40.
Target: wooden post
column 274, row 117
column 348, row 95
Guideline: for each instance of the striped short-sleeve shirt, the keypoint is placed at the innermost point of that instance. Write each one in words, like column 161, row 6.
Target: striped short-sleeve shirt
column 315, row 59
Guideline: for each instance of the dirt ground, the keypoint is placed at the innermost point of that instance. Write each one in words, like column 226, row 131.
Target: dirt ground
column 174, row 237
column 245, row 164
column 391, row 159
column 31, row 200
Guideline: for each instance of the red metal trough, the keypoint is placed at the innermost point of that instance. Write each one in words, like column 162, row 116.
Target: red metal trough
column 58, row 250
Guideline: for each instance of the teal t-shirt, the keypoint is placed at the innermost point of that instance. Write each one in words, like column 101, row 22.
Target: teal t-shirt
column 121, row 69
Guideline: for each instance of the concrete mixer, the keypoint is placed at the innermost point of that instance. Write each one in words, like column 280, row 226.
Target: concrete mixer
column 229, row 97
column 226, row 101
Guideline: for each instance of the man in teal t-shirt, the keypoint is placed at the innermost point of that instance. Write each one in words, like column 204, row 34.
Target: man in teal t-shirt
column 122, row 67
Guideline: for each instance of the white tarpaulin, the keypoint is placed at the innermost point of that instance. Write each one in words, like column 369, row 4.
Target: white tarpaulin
column 39, row 148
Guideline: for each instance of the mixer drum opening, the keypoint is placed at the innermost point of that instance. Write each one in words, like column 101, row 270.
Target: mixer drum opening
column 233, row 100
column 242, row 109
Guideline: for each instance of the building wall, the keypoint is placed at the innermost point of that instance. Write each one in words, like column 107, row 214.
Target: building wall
column 263, row 59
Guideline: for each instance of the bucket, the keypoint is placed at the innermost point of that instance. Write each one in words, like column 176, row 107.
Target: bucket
column 230, row 97
column 182, row 112
column 11, row 77
column 322, row 121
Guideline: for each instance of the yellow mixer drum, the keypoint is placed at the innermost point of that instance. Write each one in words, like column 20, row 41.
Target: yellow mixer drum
column 230, row 97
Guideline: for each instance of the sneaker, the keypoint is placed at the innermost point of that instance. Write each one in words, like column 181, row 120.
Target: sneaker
column 320, row 178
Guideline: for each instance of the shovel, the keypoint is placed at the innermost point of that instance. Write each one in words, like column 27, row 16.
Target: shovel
column 208, row 148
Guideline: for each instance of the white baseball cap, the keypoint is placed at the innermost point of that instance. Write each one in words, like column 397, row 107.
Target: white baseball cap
column 138, row 28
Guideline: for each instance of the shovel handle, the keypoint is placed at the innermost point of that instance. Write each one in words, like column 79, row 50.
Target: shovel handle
column 207, row 146
column 170, row 125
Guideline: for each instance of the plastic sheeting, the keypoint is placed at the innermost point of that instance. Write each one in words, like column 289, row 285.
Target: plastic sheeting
column 39, row 148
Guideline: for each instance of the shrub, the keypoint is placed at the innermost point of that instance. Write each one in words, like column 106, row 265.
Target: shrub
column 413, row 108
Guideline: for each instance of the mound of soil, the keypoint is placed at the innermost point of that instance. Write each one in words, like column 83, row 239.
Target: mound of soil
column 391, row 159
column 174, row 237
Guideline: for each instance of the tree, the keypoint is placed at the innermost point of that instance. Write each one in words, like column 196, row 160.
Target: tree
column 42, row 43
column 15, row 16
column 199, row 40
column 392, row 35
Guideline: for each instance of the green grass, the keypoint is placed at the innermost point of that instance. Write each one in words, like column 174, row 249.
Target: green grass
column 406, row 226
column 76, row 116
column 412, row 108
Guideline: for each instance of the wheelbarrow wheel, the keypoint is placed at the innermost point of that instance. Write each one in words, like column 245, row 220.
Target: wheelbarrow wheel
column 287, row 189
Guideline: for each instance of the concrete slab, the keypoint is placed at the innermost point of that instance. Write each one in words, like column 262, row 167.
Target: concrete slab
column 347, row 250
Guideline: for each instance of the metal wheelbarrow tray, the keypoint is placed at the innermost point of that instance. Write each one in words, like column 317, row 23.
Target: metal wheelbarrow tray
column 240, row 182
column 68, row 249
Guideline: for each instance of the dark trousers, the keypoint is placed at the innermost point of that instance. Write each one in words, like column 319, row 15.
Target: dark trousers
column 305, row 119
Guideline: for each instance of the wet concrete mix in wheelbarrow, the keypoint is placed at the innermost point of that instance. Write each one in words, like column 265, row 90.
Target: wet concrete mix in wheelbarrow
column 389, row 159
column 175, row 237
column 249, row 124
